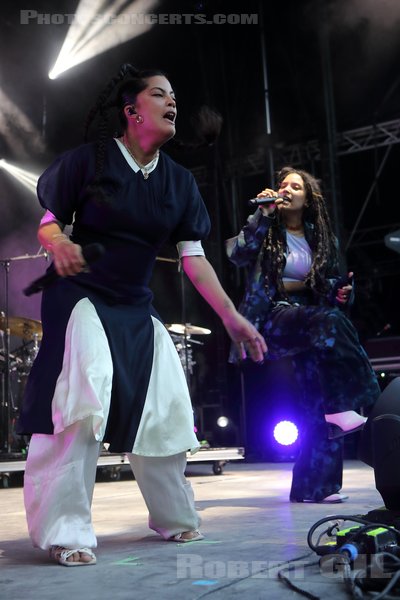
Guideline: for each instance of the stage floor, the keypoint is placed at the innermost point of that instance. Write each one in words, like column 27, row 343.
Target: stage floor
column 251, row 529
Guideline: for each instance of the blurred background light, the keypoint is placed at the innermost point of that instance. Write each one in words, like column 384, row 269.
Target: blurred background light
column 286, row 433
column 222, row 421
column 26, row 178
column 17, row 130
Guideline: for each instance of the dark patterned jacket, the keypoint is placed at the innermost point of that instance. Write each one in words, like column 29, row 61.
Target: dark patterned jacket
column 246, row 250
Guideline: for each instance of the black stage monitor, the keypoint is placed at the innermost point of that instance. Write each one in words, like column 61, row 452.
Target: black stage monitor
column 380, row 444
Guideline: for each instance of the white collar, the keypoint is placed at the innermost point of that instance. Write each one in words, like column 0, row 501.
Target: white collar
column 130, row 160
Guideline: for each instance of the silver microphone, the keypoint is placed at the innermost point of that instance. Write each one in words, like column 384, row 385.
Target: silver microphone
column 262, row 201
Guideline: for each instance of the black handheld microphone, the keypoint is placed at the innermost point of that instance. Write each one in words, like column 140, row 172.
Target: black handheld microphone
column 90, row 253
column 263, row 201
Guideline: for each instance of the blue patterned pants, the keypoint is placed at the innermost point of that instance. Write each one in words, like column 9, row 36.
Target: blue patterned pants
column 325, row 341
column 318, row 470
column 333, row 374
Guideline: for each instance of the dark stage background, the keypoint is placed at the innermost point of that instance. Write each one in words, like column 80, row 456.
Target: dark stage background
column 327, row 76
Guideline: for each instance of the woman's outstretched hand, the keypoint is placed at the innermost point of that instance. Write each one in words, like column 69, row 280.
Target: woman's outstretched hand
column 246, row 337
column 240, row 330
column 67, row 257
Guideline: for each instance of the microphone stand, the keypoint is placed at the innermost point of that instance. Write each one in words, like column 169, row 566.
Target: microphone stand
column 185, row 335
column 5, row 444
column 186, row 366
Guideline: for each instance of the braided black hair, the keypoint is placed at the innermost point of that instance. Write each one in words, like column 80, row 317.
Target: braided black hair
column 126, row 94
column 324, row 244
column 102, row 104
column 130, row 82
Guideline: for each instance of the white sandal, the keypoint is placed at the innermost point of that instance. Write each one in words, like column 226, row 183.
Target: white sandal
column 196, row 536
column 61, row 555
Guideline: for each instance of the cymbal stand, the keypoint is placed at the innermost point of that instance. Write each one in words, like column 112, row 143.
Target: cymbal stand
column 187, row 359
column 6, row 404
column 5, row 412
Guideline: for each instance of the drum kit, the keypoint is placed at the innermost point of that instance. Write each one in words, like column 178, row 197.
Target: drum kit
column 182, row 337
column 14, row 370
column 15, row 364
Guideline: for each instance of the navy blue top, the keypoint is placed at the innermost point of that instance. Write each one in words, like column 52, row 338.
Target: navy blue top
column 137, row 217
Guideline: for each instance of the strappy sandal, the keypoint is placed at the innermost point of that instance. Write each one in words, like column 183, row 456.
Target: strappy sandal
column 195, row 537
column 61, row 555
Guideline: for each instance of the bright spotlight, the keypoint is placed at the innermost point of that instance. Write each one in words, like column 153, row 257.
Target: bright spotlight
column 26, row 178
column 222, row 421
column 94, row 31
column 286, row 433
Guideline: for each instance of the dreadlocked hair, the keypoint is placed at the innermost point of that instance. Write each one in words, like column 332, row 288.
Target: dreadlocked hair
column 126, row 94
column 323, row 244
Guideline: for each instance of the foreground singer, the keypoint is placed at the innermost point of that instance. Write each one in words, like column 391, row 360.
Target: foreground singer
column 107, row 369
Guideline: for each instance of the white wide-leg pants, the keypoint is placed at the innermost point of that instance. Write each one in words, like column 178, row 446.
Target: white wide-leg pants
column 59, row 480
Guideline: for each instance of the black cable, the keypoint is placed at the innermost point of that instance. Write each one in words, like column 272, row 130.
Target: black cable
column 367, row 525
column 362, row 575
column 384, row 593
column 354, row 581
column 239, row 580
column 294, row 587
column 327, row 532
column 349, row 579
column 328, row 519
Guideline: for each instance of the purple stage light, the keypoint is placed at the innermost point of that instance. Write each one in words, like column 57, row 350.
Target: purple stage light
column 286, row 433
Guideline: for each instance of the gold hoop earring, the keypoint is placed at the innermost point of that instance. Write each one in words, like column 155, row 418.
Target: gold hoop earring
column 139, row 119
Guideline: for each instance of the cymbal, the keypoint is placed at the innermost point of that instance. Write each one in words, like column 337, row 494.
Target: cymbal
column 22, row 327
column 187, row 329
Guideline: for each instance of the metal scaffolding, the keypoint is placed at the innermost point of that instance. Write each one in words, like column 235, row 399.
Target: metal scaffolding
column 352, row 141
column 348, row 142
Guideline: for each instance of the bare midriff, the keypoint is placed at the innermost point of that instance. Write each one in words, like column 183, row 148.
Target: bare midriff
column 294, row 286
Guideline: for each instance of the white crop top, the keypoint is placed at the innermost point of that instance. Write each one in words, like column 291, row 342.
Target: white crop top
column 298, row 258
